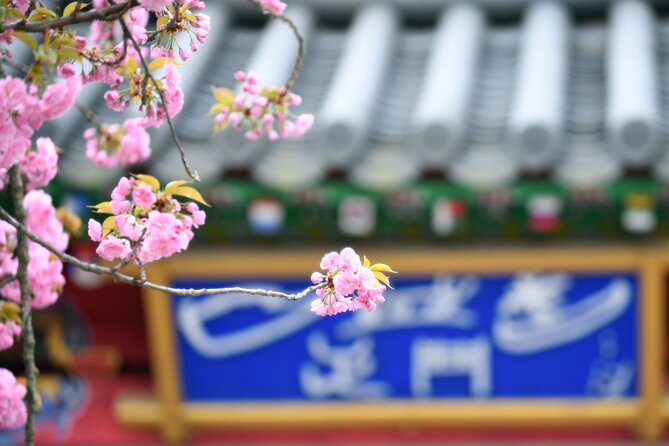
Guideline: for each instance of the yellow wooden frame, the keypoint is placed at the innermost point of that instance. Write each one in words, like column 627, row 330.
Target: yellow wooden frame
column 645, row 414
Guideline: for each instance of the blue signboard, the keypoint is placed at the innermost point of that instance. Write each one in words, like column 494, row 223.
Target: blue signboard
column 467, row 336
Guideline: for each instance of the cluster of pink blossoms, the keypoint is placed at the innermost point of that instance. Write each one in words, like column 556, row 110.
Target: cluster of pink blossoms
column 23, row 111
column 147, row 223
column 111, row 145
column 45, row 272
column 264, row 109
column 179, row 18
column 12, row 409
column 115, row 144
column 38, row 167
column 348, row 283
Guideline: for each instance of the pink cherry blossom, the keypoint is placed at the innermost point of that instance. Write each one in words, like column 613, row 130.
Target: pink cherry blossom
column 348, row 284
column 330, row 262
column 128, row 226
column 94, row 230
column 273, row 6
column 13, row 411
column 143, row 196
column 154, row 5
column 111, row 248
column 316, row 277
column 39, row 166
column 58, row 98
column 8, row 331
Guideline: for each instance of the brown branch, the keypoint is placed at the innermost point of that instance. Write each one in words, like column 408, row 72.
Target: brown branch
column 301, row 49
column 27, row 332
column 112, row 272
column 182, row 152
column 106, row 14
column 7, row 280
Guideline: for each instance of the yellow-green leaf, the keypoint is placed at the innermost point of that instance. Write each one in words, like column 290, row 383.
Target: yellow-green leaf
column 42, row 14
column 224, row 95
column 174, row 185
column 103, row 208
column 365, row 262
column 189, row 192
column 10, row 311
column 162, row 21
column 108, row 226
column 70, row 53
column 148, row 179
column 382, row 278
column 26, row 38
column 216, row 108
column 69, row 9
column 382, row 267
column 61, row 40
column 160, row 63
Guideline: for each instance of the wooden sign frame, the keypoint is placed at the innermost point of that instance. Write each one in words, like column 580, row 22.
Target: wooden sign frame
column 174, row 418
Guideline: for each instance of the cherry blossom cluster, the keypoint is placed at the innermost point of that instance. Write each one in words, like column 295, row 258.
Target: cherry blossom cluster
column 12, row 409
column 114, row 144
column 38, row 166
column 23, row 111
column 147, row 223
column 45, row 272
column 264, row 110
column 348, row 283
column 180, row 17
column 140, row 89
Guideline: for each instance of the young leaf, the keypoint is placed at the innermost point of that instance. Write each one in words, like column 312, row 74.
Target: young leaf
column 148, row 179
column 10, row 311
column 69, row 9
column 383, row 279
column 224, row 96
column 160, row 63
column 174, row 185
column 382, row 267
column 162, row 21
column 189, row 192
column 42, row 14
column 108, row 226
column 26, row 38
column 103, row 208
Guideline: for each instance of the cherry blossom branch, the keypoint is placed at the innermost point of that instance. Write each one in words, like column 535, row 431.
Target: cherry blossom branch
column 113, row 272
column 84, row 110
column 107, row 13
column 7, row 280
column 182, row 152
column 26, row 314
column 89, row 115
column 301, row 49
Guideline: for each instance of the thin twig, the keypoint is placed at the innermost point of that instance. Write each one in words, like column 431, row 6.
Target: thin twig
column 103, row 270
column 182, row 152
column 89, row 115
column 106, row 14
column 15, row 64
column 7, row 280
column 301, row 49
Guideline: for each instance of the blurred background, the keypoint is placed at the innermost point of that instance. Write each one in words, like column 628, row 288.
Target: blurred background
column 482, row 127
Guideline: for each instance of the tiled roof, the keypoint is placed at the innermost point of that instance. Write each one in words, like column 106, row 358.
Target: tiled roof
column 582, row 98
